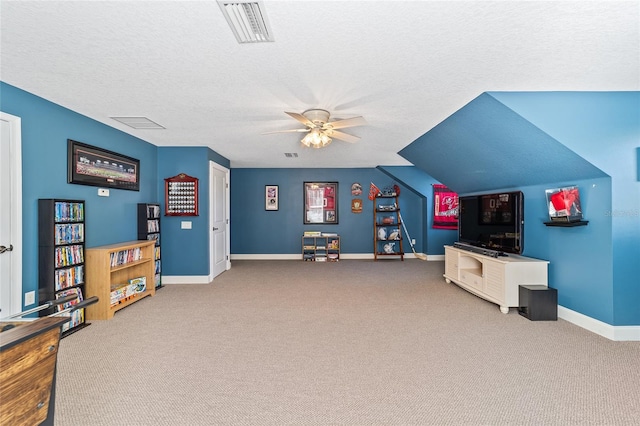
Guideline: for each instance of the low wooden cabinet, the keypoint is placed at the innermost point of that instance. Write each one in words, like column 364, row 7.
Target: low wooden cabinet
column 493, row 279
column 111, row 267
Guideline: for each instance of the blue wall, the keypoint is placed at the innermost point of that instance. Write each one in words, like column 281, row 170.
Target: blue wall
column 603, row 128
column 533, row 141
column 254, row 230
column 594, row 267
column 186, row 251
column 45, row 130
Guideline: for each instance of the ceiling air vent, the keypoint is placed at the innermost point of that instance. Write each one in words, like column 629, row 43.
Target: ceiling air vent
column 291, row 154
column 138, row 122
column 248, row 20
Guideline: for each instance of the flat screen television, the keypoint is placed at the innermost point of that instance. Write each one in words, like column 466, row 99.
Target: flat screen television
column 492, row 221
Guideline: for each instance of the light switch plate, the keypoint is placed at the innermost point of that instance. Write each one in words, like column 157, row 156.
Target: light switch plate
column 103, row 192
column 185, row 224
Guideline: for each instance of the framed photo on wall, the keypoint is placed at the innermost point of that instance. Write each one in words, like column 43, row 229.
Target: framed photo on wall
column 271, row 197
column 321, row 203
column 90, row 165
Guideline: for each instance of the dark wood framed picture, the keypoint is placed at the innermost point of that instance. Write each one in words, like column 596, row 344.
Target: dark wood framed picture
column 321, row 203
column 93, row 166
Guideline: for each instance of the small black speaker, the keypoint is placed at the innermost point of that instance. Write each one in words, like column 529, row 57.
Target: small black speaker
column 538, row 302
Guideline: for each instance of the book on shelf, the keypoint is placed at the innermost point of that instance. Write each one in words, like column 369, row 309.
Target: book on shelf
column 329, row 234
column 312, row 233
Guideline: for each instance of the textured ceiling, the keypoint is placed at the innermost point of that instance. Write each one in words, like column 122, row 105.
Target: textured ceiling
column 404, row 66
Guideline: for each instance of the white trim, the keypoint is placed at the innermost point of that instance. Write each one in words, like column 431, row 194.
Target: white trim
column 227, row 214
column 611, row 332
column 185, row 279
column 16, row 210
column 298, row 256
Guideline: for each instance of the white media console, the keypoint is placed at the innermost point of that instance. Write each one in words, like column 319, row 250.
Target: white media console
column 495, row 279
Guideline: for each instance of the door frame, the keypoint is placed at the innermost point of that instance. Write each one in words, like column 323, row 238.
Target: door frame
column 213, row 165
column 15, row 161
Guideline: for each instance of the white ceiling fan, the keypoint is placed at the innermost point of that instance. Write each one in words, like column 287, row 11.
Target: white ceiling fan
column 320, row 130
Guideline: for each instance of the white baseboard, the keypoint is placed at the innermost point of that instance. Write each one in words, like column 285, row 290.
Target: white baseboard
column 611, row 332
column 297, row 256
column 186, row 279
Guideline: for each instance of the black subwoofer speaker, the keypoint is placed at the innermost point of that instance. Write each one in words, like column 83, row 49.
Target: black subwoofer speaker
column 538, row 303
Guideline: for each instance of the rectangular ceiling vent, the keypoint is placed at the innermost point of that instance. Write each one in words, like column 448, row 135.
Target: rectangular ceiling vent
column 247, row 20
column 291, row 154
column 138, row 122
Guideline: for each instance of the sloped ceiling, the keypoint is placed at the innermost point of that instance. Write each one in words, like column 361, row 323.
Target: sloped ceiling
column 404, row 65
column 485, row 145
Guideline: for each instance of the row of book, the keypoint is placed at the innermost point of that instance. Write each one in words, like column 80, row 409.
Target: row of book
column 69, row 277
column 77, row 316
column 153, row 225
column 122, row 257
column 69, row 233
column 69, row 212
column 153, row 211
column 69, row 255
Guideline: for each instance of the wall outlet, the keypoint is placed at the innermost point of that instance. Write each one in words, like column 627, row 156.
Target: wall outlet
column 185, row 224
column 413, row 241
column 29, row 298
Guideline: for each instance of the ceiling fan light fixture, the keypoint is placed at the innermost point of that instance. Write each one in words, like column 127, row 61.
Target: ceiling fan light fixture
column 247, row 20
column 316, row 139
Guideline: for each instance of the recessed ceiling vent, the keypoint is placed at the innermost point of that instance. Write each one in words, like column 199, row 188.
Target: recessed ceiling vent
column 138, row 122
column 291, row 154
column 248, row 20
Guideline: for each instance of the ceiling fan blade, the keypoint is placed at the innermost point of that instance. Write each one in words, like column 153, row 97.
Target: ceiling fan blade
column 344, row 137
column 288, row 131
column 349, row 122
column 301, row 118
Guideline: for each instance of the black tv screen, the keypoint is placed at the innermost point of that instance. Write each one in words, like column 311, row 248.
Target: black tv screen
column 493, row 221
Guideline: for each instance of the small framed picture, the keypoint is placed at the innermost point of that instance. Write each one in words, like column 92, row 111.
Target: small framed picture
column 271, row 197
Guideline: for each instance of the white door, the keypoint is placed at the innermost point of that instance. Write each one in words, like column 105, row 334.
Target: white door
column 10, row 215
column 218, row 219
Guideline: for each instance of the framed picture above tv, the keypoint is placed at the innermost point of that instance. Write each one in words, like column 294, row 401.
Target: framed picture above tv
column 90, row 165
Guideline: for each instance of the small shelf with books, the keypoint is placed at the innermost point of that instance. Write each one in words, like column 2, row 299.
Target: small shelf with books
column 320, row 247
column 119, row 275
column 149, row 229
column 61, row 257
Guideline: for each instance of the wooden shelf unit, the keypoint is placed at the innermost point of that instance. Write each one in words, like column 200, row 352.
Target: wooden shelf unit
column 101, row 276
column 321, row 248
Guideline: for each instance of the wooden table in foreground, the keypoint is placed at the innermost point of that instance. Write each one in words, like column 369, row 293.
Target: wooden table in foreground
column 28, row 355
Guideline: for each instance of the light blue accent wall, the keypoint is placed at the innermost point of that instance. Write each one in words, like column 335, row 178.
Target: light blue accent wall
column 186, row 251
column 255, row 230
column 45, row 129
column 604, row 129
column 581, row 264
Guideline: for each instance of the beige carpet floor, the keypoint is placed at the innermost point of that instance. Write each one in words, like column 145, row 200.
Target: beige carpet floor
column 349, row 343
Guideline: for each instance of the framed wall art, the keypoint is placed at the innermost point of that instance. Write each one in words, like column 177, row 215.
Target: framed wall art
column 271, row 197
column 90, row 165
column 181, row 195
column 321, row 203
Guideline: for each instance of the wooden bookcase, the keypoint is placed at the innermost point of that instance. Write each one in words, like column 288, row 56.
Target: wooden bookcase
column 102, row 276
